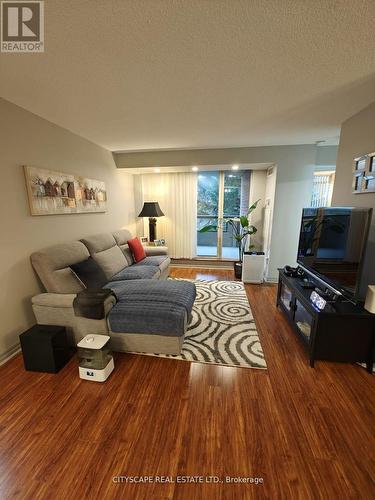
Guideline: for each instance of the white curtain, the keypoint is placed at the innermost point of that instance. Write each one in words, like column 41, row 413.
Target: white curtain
column 177, row 197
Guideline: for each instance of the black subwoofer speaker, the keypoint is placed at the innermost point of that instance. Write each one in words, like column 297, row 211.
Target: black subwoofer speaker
column 45, row 348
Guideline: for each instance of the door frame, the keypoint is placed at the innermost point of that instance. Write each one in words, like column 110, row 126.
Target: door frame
column 220, row 218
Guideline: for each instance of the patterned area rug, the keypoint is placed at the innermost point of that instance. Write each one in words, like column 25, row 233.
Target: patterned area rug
column 222, row 330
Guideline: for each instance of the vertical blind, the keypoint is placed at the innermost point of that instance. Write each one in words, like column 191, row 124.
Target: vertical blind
column 322, row 190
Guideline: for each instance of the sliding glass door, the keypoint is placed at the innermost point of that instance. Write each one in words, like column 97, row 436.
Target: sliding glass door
column 221, row 195
column 208, row 213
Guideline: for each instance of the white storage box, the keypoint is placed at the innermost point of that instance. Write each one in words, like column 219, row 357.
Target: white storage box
column 253, row 267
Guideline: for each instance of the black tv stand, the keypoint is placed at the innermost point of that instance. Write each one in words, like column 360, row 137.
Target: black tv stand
column 308, row 285
column 342, row 331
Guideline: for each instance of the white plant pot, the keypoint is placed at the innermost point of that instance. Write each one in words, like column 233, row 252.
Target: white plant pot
column 253, row 268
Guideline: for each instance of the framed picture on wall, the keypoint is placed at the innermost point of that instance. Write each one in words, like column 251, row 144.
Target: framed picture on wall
column 50, row 192
column 55, row 193
column 360, row 163
column 358, row 179
column 369, row 178
column 364, row 174
column 372, row 163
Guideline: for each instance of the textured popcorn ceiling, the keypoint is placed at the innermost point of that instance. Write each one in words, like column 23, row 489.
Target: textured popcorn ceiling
column 144, row 74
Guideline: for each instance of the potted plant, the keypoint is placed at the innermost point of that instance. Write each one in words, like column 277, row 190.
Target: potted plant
column 242, row 230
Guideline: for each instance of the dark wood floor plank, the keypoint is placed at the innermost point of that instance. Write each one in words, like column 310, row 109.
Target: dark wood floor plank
column 307, row 432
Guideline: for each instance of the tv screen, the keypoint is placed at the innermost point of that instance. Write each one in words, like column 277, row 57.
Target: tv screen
column 332, row 245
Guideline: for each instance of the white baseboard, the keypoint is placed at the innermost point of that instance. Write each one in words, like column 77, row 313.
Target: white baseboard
column 269, row 279
column 9, row 353
column 199, row 266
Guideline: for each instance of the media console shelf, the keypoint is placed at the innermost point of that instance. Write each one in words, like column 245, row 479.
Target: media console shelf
column 341, row 332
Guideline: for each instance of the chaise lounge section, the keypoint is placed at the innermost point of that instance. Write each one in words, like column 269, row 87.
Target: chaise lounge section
column 147, row 314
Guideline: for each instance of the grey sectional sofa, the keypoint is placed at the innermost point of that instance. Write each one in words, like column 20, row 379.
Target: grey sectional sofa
column 150, row 313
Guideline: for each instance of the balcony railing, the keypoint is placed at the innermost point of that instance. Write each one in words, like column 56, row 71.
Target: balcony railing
column 210, row 238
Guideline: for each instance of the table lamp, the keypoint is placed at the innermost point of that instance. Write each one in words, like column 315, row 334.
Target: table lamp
column 151, row 210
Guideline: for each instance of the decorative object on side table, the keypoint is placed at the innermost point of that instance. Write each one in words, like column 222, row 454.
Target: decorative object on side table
column 151, row 210
column 45, row 348
column 159, row 243
column 95, row 358
column 242, row 229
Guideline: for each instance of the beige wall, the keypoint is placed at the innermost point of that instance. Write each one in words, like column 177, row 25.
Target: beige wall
column 357, row 138
column 26, row 139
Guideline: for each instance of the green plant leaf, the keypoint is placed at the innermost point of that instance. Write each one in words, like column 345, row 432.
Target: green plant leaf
column 232, row 223
column 208, row 228
column 250, row 230
column 253, row 207
column 244, row 221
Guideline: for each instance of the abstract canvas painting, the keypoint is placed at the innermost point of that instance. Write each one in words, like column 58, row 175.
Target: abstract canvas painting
column 52, row 193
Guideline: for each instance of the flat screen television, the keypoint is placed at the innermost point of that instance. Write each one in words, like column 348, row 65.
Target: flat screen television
column 332, row 246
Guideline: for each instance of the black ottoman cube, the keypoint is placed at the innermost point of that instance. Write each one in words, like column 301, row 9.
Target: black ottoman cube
column 45, row 348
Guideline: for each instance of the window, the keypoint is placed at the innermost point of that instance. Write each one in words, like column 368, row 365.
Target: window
column 322, row 189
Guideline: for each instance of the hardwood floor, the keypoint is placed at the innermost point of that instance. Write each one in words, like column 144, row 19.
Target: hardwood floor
column 309, row 433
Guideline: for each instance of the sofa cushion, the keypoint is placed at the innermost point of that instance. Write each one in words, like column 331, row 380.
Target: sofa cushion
column 128, row 253
column 155, row 250
column 90, row 273
column 52, row 265
column 122, row 237
column 106, row 253
column 137, row 249
column 152, row 307
column 99, row 242
column 160, row 261
column 59, row 300
column 136, row 273
column 111, row 261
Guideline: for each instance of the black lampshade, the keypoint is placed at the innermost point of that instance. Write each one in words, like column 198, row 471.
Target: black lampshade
column 151, row 209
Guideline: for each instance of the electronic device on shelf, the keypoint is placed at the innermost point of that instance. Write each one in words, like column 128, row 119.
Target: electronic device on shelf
column 318, row 300
column 294, row 272
column 308, row 285
column 329, row 296
column 331, row 249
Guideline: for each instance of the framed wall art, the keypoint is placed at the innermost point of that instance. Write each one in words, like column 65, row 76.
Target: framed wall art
column 364, row 174
column 54, row 193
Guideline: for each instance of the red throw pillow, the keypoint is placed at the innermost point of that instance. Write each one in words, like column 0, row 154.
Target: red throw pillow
column 137, row 249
